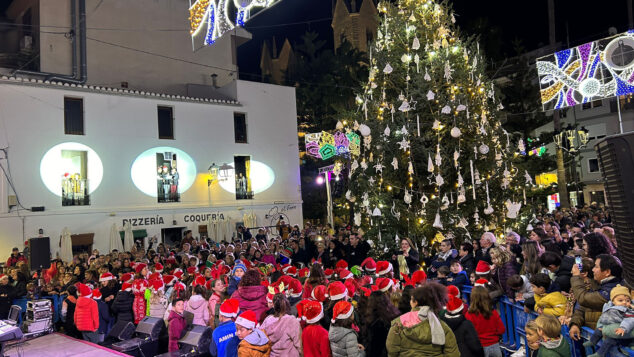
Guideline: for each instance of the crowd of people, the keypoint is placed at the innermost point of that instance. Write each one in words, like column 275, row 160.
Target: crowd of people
column 318, row 291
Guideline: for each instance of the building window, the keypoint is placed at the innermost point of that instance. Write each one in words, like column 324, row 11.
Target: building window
column 73, row 116
column 593, row 165
column 165, row 122
column 75, row 179
column 167, row 177
column 240, row 127
column 244, row 191
column 594, row 104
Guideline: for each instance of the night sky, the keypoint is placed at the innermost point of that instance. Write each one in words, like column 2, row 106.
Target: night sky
column 578, row 21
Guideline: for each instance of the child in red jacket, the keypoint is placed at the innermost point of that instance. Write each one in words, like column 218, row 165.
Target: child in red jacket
column 486, row 320
column 176, row 323
column 87, row 314
column 314, row 337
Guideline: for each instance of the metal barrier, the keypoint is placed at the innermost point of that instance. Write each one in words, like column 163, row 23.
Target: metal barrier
column 514, row 319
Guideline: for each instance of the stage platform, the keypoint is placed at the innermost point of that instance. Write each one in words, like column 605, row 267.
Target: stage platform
column 58, row 345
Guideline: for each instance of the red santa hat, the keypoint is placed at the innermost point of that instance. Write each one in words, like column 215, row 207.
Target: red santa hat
column 155, row 276
column 247, row 320
column 178, row 274
column 383, row 267
column 126, row 287
column 369, row 264
column 84, row 290
column 351, row 286
column 341, row 264
column 384, row 284
column 156, row 284
column 169, row 279
column 127, row 277
column 418, row 277
column 192, row 270
column 106, row 277
column 481, row 282
column 96, row 294
column 158, row 267
column 200, row 280
column 139, row 267
column 304, row 273
column 337, row 291
column 3, row 276
column 328, row 273
column 345, row 274
column 319, row 293
column 229, row 308
column 454, row 306
column 483, row 268
column 453, row 290
column 341, row 311
column 170, row 260
column 294, row 288
column 366, row 291
column 312, row 311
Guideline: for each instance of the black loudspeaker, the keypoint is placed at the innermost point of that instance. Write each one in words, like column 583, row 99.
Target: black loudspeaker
column 40, row 253
column 150, row 327
column 122, row 330
column 197, row 339
column 616, row 162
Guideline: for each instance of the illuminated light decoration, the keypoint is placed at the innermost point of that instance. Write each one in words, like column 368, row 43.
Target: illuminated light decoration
column 540, row 151
column 592, row 71
column 262, row 178
column 215, row 14
column 143, row 171
column 325, row 145
column 53, row 167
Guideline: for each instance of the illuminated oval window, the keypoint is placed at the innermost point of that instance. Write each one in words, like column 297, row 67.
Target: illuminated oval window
column 72, row 171
column 163, row 172
column 260, row 176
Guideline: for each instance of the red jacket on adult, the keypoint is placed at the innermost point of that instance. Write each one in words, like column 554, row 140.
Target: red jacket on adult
column 489, row 330
column 315, row 341
column 87, row 315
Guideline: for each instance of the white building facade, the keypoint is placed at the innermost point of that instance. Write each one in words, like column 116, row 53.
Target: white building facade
column 92, row 155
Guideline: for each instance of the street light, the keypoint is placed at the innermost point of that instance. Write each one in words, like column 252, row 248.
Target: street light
column 217, row 174
column 572, row 140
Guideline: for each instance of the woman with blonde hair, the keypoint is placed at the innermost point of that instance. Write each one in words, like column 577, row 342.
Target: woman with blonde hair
column 503, row 268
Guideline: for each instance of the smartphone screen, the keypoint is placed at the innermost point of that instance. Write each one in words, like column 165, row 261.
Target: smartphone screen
column 578, row 262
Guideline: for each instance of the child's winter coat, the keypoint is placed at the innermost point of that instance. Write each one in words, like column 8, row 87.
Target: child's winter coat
column 198, row 306
column 256, row 344
column 285, row 335
column 344, row 342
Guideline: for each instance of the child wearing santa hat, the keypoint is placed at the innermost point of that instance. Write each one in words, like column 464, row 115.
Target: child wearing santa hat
column 226, row 329
column 122, row 305
column 87, row 314
column 253, row 341
column 466, row 335
column 104, row 314
column 314, row 337
column 343, row 339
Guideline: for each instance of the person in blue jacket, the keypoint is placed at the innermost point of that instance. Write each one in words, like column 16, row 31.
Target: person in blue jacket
column 225, row 333
column 104, row 314
column 457, row 277
column 236, row 275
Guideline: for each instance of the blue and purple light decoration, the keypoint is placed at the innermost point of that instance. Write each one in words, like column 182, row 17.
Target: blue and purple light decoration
column 592, row 71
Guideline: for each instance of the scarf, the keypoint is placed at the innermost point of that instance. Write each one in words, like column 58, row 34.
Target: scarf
column 552, row 344
column 437, row 332
column 445, row 256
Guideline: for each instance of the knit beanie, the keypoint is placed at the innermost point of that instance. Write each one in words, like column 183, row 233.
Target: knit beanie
column 620, row 290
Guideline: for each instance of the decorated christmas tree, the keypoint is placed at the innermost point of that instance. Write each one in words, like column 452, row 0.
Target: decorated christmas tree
column 434, row 156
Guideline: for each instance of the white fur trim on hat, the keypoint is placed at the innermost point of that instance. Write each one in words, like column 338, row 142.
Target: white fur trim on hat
column 389, row 285
column 245, row 323
column 316, row 318
column 339, row 296
column 344, row 316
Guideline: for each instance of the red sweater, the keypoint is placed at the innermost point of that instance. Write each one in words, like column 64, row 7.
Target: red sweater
column 315, row 341
column 86, row 315
column 489, row 330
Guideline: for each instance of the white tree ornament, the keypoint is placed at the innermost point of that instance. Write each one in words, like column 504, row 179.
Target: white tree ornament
column 513, row 208
column 357, row 219
column 388, row 69
column 415, row 44
column 395, row 163
column 430, row 165
column 387, row 131
column 364, row 129
column 437, row 221
column 407, row 198
column 431, row 95
column 455, row 132
column 446, row 110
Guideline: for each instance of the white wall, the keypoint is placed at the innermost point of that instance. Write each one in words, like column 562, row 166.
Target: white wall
column 119, row 128
column 157, row 26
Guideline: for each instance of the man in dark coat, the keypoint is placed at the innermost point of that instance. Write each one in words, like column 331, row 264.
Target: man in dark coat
column 466, row 257
column 356, row 250
column 122, row 306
